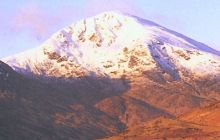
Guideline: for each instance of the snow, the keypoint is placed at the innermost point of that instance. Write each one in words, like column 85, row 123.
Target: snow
column 105, row 45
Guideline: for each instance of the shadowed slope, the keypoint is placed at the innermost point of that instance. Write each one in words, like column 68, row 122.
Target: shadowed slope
column 56, row 110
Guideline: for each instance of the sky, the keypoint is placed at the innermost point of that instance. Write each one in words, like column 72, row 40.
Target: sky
column 25, row 24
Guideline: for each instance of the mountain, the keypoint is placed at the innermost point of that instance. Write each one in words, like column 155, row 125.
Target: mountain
column 103, row 75
column 114, row 44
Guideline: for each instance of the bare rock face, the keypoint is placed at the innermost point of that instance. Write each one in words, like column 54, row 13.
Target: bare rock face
column 102, row 75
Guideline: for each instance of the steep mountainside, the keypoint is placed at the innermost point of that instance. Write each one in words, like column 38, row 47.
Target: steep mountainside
column 104, row 74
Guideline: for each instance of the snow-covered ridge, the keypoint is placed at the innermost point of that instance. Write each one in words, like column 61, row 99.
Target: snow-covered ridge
column 115, row 44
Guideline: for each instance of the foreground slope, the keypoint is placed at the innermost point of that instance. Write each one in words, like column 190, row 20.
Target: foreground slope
column 163, row 128
column 209, row 115
column 202, row 123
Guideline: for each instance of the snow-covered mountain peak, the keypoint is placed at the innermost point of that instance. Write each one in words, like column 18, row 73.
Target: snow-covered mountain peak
column 115, row 44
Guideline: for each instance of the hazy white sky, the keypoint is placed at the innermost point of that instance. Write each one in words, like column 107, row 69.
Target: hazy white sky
column 28, row 23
